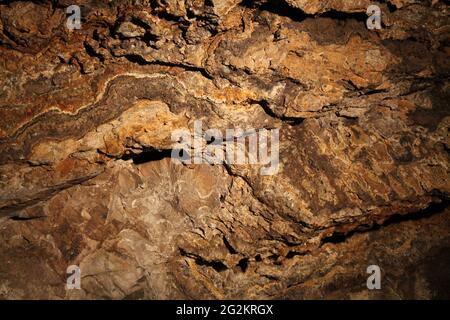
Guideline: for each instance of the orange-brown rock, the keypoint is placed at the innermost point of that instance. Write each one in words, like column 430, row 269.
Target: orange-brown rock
column 86, row 123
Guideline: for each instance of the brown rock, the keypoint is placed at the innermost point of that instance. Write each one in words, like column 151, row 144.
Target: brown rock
column 86, row 124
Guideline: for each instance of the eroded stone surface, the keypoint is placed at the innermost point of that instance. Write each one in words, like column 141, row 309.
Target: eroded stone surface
column 86, row 118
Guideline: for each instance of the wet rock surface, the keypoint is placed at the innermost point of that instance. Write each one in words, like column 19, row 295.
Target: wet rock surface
column 86, row 118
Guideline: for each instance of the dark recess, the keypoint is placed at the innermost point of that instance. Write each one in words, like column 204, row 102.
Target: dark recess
column 432, row 209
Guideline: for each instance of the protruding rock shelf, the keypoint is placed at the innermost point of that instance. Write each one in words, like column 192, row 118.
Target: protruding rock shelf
column 86, row 177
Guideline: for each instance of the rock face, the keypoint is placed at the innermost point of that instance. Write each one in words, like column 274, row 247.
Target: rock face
column 86, row 123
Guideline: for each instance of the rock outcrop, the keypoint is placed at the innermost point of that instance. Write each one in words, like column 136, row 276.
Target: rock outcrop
column 86, row 123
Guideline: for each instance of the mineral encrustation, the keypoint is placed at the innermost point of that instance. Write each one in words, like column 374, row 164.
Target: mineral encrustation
column 86, row 151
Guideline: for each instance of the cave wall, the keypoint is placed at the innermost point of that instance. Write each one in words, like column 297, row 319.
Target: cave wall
column 87, row 179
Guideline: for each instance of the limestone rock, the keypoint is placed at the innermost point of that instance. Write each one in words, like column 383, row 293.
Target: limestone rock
column 86, row 124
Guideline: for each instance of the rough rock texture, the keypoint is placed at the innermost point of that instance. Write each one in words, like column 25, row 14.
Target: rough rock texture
column 86, row 118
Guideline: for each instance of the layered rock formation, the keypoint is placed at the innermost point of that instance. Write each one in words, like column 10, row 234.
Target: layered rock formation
column 86, row 118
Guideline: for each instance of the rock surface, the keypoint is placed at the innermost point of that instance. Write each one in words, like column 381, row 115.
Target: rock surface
column 86, row 118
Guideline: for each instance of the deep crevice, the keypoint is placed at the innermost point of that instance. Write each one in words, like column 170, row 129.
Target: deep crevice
column 229, row 246
column 282, row 8
column 293, row 121
column 344, row 16
column 18, row 218
column 215, row 264
column 278, row 7
column 148, row 155
column 92, row 53
column 433, row 209
column 243, row 264
column 291, row 254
